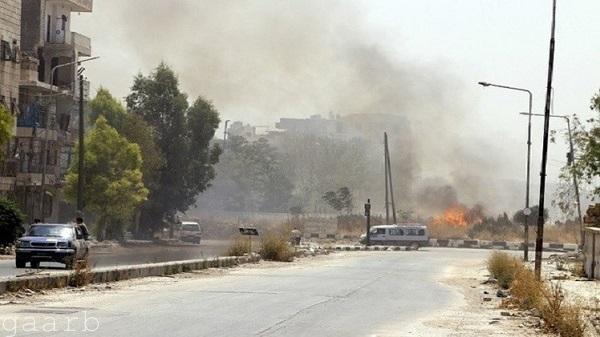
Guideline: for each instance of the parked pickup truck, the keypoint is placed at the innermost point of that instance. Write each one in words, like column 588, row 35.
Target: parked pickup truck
column 62, row 243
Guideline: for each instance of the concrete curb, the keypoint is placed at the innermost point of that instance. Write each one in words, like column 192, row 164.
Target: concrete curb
column 457, row 243
column 101, row 275
column 483, row 244
column 371, row 248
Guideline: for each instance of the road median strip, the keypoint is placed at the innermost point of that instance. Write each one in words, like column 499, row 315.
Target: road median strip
column 112, row 274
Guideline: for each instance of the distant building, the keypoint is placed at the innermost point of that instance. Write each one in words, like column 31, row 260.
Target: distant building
column 242, row 130
column 47, row 115
column 315, row 125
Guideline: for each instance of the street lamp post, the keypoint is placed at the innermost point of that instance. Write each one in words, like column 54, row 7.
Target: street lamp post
column 571, row 162
column 45, row 144
column 526, row 227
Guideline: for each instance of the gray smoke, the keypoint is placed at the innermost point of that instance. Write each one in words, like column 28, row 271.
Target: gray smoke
column 261, row 60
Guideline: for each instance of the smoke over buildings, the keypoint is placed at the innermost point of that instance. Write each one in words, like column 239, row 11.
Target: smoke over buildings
column 262, row 60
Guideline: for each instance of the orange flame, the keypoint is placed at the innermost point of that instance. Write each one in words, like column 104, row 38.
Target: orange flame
column 454, row 216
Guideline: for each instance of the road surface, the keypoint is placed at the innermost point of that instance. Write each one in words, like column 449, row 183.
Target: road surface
column 347, row 294
column 117, row 256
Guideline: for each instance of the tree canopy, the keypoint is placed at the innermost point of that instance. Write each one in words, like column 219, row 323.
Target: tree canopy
column 586, row 161
column 183, row 134
column 113, row 179
column 11, row 222
column 134, row 128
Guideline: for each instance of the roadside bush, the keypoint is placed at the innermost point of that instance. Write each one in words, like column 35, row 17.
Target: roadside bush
column 503, row 268
column 82, row 275
column 561, row 317
column 238, row 247
column 11, row 222
column 274, row 246
column 526, row 290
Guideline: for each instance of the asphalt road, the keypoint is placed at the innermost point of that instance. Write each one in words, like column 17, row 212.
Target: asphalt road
column 117, row 256
column 347, row 294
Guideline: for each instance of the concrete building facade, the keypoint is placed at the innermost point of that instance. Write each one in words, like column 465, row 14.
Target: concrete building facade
column 46, row 103
column 10, row 74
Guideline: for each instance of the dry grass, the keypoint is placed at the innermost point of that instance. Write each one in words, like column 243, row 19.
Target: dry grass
column 561, row 317
column 503, row 267
column 577, row 269
column 556, row 234
column 509, row 236
column 275, row 247
column 82, row 275
column 561, row 234
column 443, row 231
column 526, row 290
column 239, row 247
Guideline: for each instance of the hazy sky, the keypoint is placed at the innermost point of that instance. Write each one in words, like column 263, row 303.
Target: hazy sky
column 261, row 60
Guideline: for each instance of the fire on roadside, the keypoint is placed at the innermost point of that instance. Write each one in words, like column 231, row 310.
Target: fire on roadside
column 459, row 216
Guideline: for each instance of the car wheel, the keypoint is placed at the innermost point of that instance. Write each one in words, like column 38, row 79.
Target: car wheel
column 20, row 263
column 34, row 264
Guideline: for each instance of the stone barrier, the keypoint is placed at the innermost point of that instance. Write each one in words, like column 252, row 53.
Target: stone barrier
column 102, row 275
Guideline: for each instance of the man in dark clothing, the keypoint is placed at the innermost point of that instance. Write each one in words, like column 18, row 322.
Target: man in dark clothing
column 81, row 225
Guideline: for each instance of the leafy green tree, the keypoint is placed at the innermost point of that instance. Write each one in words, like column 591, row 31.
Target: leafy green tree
column 104, row 104
column 134, row 128
column 183, row 135
column 7, row 122
column 586, row 164
column 11, row 222
column 113, row 179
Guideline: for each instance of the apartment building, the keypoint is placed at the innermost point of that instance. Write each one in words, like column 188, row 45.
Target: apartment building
column 10, row 73
column 47, row 123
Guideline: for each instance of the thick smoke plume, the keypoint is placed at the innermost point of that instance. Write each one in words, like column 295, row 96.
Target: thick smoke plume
column 261, row 60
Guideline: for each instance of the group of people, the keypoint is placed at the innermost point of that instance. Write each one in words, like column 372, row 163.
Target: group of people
column 79, row 224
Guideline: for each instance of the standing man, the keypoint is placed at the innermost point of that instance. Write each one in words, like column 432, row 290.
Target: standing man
column 81, row 225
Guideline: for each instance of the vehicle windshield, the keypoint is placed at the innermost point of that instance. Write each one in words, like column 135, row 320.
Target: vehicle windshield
column 191, row 228
column 51, row 231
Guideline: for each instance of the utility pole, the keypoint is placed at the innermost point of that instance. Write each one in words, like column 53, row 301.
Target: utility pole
column 225, row 135
column 539, row 241
column 45, row 144
column 368, row 215
column 389, row 172
column 387, row 203
column 80, row 175
column 571, row 162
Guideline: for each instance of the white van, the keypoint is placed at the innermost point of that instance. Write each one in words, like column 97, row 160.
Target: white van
column 414, row 235
column 190, row 231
